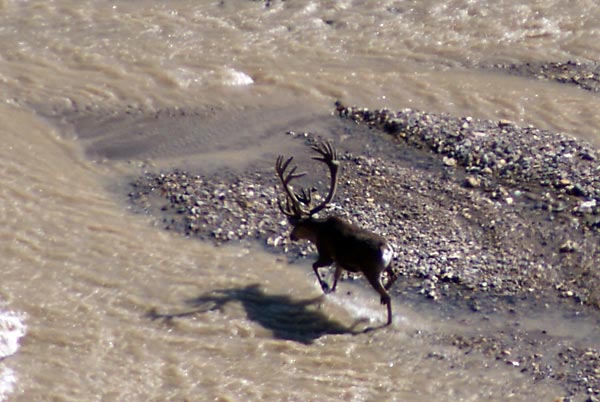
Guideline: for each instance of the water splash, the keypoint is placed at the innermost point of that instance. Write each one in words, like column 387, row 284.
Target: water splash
column 7, row 382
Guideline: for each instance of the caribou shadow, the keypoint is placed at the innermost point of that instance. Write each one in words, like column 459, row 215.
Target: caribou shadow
column 286, row 318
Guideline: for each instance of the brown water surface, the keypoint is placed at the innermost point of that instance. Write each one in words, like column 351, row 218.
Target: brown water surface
column 92, row 91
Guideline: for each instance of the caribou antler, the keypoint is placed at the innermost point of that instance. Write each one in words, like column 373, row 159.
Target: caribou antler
column 295, row 200
column 292, row 207
column 329, row 156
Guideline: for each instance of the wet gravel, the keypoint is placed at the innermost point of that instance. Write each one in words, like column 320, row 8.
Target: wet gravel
column 583, row 75
column 485, row 217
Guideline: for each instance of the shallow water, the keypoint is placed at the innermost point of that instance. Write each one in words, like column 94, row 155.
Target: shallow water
column 92, row 90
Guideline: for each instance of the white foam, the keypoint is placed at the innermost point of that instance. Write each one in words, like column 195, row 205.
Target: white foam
column 237, row 78
column 185, row 77
column 12, row 329
column 7, row 382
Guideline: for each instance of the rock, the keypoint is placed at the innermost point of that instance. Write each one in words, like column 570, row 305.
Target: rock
column 503, row 123
column 563, row 183
column 568, row 246
column 472, row 182
column 587, row 207
column 450, row 162
column 578, row 190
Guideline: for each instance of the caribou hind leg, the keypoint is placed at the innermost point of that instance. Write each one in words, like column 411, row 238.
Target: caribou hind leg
column 375, row 281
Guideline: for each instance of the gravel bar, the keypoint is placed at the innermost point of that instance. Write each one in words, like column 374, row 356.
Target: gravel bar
column 583, row 75
column 485, row 217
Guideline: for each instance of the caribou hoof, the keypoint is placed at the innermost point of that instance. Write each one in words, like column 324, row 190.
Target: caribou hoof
column 326, row 288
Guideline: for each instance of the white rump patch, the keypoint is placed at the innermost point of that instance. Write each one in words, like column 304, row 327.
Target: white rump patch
column 387, row 255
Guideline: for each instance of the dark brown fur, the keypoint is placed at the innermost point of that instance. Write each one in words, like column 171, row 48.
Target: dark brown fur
column 347, row 246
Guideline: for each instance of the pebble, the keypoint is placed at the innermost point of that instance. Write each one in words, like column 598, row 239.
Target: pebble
column 472, row 182
column 568, row 246
column 587, row 206
column 451, row 162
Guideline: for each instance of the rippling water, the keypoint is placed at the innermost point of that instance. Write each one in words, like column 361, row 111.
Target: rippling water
column 82, row 83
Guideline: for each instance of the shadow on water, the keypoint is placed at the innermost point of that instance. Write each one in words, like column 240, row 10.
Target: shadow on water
column 286, row 318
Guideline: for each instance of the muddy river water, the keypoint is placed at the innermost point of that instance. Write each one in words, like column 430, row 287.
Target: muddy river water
column 93, row 92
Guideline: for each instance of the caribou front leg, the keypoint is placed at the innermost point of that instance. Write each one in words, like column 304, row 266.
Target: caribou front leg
column 322, row 262
column 336, row 276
